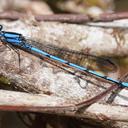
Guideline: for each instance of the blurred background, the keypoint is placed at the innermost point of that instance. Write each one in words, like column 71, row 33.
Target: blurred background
column 83, row 6
column 64, row 6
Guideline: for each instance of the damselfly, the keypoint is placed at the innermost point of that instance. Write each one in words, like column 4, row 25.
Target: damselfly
column 19, row 41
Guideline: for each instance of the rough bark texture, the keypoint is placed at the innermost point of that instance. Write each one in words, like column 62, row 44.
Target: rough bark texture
column 76, row 37
column 42, row 103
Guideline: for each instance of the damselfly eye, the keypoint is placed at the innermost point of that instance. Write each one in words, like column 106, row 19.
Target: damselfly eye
column 1, row 27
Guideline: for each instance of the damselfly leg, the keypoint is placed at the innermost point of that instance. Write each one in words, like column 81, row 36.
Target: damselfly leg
column 17, row 51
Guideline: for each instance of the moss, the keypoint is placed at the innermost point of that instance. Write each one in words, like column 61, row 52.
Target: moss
column 4, row 80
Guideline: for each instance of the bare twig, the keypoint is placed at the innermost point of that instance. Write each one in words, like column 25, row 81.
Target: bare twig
column 81, row 18
column 11, row 15
column 112, row 16
column 17, row 101
column 69, row 18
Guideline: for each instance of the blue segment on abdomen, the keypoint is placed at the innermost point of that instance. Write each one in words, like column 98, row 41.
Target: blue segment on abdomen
column 125, row 84
column 13, row 41
column 58, row 59
column 11, row 35
column 47, row 55
column 39, row 51
column 110, row 79
column 78, row 67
